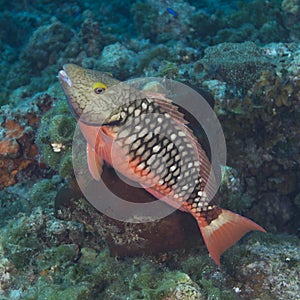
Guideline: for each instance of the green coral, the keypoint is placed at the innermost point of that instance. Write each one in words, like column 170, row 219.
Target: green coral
column 145, row 23
column 19, row 239
column 209, row 26
column 78, row 271
column 44, row 190
column 200, row 267
column 46, row 44
column 66, row 166
column 242, row 71
column 55, row 138
column 60, row 257
column 297, row 200
column 149, row 284
column 169, row 70
column 232, row 191
column 61, row 127
column 147, row 56
column 79, row 291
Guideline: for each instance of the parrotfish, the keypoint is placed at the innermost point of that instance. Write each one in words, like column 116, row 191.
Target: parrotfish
column 143, row 135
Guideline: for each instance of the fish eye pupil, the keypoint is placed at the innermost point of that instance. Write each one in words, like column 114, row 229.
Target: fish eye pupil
column 99, row 87
column 99, row 90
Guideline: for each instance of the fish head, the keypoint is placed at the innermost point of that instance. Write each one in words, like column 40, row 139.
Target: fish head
column 88, row 93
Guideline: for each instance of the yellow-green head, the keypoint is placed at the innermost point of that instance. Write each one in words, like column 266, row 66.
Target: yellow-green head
column 87, row 92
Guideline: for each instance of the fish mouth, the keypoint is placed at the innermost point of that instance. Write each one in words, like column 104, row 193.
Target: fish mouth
column 64, row 78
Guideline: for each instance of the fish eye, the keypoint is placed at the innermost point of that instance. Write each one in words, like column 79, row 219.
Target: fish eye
column 99, row 87
column 99, row 90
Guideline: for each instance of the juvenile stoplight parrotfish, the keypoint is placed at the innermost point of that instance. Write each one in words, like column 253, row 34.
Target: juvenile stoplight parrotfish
column 143, row 136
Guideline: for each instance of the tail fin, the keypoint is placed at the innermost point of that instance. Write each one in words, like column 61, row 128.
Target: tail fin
column 223, row 230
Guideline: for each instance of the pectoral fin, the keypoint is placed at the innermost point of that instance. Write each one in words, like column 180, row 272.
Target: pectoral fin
column 95, row 162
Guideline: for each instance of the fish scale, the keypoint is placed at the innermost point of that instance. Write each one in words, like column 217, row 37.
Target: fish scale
column 162, row 151
column 155, row 147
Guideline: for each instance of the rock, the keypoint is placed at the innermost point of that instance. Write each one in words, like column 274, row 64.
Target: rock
column 175, row 231
column 119, row 60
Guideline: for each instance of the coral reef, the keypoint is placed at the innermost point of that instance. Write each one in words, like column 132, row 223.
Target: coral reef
column 175, row 231
column 54, row 138
column 262, row 132
column 159, row 25
column 272, row 271
column 47, row 44
column 117, row 59
column 291, row 11
column 241, row 72
column 53, row 244
column 67, row 259
column 18, row 152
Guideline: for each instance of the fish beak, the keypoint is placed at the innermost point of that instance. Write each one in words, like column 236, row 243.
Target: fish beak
column 64, row 78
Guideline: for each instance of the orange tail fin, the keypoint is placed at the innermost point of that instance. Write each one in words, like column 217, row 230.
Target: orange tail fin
column 224, row 230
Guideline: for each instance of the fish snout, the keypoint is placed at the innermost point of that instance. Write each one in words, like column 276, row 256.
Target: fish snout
column 64, row 78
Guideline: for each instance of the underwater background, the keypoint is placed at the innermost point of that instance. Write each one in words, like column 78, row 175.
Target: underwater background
column 244, row 54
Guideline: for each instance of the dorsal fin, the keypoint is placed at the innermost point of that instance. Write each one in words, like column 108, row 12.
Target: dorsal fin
column 167, row 105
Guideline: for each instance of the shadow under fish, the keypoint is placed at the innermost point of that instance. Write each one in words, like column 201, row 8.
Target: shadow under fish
column 176, row 231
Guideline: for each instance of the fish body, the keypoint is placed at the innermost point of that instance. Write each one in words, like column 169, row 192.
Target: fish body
column 144, row 137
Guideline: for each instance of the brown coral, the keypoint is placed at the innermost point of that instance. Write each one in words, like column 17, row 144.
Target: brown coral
column 290, row 6
column 18, row 152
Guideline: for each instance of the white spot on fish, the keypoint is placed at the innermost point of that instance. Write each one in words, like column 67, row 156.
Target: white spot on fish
column 169, row 176
column 157, row 130
column 173, row 136
column 137, row 112
column 160, row 169
column 150, row 160
column 176, row 173
column 173, row 168
column 141, row 166
column 144, row 132
column 169, row 147
column 131, row 139
column 156, row 148
column 177, row 158
column 185, row 187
